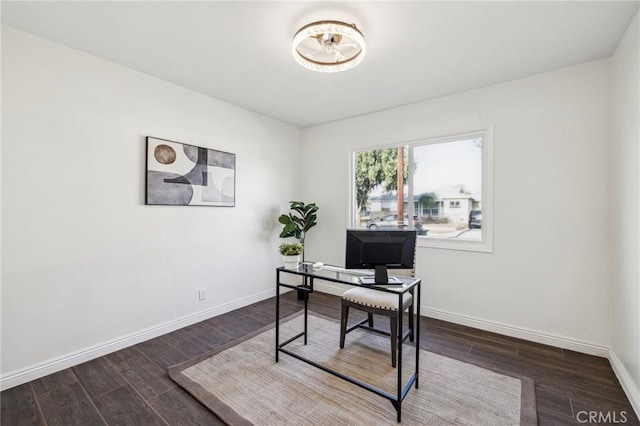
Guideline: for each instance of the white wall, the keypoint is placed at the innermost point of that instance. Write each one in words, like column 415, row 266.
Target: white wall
column 625, row 237
column 85, row 262
column 548, row 276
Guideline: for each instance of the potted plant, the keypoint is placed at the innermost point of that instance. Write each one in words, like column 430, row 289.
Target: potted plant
column 291, row 254
column 296, row 224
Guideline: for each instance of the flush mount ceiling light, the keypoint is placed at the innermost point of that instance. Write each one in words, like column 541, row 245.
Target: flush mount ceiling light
column 328, row 46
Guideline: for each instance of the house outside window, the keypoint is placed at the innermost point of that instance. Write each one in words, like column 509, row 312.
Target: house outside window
column 448, row 180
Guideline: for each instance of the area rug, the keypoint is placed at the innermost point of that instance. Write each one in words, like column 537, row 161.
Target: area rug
column 242, row 384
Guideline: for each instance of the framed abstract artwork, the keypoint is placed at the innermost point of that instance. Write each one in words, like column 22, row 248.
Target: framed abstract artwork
column 185, row 175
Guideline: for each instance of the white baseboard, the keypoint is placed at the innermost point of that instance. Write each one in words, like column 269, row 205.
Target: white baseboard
column 496, row 327
column 27, row 374
column 519, row 332
column 629, row 386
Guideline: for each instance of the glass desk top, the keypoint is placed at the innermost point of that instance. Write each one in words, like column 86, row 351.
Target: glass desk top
column 350, row 276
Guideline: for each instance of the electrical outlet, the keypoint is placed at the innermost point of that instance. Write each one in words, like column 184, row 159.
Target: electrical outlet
column 202, row 294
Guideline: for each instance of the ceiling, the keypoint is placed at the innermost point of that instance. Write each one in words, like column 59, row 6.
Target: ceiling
column 240, row 52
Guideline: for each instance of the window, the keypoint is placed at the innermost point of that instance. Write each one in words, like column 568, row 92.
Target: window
column 448, row 180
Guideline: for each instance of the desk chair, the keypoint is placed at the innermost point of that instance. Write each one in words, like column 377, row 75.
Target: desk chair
column 379, row 303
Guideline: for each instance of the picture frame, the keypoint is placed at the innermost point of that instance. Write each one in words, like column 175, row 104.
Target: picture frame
column 179, row 174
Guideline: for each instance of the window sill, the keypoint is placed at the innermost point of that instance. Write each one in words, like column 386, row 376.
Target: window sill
column 449, row 244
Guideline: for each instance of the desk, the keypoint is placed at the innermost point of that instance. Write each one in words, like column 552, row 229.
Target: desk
column 351, row 277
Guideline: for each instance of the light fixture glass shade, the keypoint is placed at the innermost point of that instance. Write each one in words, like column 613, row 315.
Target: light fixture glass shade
column 328, row 46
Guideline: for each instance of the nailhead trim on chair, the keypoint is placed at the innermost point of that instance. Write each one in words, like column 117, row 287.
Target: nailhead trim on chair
column 376, row 299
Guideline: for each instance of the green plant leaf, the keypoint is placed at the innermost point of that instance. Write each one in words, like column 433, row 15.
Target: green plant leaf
column 291, row 249
column 302, row 218
column 284, row 219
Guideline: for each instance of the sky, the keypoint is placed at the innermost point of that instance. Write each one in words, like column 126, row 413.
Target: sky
column 448, row 165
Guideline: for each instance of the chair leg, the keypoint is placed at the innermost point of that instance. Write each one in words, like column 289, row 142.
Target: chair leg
column 344, row 316
column 370, row 318
column 394, row 339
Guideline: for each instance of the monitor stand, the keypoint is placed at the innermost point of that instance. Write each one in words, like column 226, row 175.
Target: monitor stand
column 381, row 274
column 381, row 277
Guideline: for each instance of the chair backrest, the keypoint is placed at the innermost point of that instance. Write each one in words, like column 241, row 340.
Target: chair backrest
column 403, row 272
column 407, row 272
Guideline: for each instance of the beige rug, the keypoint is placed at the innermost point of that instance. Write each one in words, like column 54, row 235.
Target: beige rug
column 242, row 384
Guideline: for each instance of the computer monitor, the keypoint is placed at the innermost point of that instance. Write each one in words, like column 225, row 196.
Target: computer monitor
column 380, row 250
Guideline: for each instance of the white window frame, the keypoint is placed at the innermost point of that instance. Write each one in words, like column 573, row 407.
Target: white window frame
column 486, row 243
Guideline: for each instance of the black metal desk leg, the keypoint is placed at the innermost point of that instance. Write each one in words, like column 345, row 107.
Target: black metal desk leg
column 308, row 283
column 277, row 313
column 306, row 309
column 417, row 329
column 400, row 345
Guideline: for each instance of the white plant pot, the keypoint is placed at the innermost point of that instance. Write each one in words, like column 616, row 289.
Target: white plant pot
column 291, row 262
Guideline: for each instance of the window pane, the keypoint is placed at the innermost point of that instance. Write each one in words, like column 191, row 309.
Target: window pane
column 445, row 179
column 377, row 190
column 447, row 183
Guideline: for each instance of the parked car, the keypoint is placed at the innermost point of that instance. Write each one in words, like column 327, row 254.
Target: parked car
column 391, row 221
column 475, row 219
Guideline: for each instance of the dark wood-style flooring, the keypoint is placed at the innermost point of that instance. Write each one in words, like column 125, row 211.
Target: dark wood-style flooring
column 131, row 386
